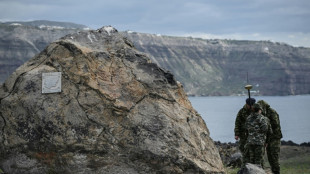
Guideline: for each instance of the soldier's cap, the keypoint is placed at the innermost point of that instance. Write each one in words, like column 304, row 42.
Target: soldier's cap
column 250, row 101
column 256, row 106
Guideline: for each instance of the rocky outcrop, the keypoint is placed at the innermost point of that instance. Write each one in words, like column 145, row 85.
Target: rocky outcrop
column 117, row 112
column 252, row 169
column 230, row 154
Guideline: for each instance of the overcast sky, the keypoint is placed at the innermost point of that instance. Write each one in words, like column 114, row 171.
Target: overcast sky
column 276, row 20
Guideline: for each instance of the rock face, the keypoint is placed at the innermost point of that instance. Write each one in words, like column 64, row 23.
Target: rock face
column 219, row 67
column 117, row 112
column 203, row 66
column 20, row 41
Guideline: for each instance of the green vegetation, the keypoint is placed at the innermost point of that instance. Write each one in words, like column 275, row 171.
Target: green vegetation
column 296, row 165
column 232, row 170
column 293, row 160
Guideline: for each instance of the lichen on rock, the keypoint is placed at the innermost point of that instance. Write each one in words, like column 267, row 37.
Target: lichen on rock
column 117, row 111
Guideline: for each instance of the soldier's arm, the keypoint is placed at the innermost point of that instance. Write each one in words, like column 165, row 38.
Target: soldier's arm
column 274, row 118
column 275, row 123
column 269, row 133
column 238, row 124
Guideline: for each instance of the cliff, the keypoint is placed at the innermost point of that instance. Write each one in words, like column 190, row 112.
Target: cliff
column 91, row 103
column 204, row 67
column 20, row 41
column 220, row 67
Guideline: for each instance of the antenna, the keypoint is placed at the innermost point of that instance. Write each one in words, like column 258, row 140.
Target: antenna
column 248, row 87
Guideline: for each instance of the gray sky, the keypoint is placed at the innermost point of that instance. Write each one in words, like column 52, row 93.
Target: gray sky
column 276, row 20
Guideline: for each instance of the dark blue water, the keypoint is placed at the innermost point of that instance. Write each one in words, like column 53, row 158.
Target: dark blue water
column 220, row 113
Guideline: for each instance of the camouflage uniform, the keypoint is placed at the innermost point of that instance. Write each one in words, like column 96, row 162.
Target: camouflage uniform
column 274, row 142
column 258, row 129
column 240, row 130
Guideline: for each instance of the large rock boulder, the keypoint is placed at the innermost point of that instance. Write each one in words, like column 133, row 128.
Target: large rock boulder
column 117, row 112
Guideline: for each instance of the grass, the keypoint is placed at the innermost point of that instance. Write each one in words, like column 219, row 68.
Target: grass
column 299, row 164
column 232, row 170
column 293, row 160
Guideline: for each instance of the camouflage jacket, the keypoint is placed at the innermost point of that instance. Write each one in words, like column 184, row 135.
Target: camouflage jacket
column 242, row 115
column 273, row 117
column 258, row 129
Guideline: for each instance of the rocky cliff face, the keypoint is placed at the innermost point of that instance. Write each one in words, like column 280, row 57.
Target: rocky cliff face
column 117, row 112
column 20, row 41
column 204, row 67
column 220, row 67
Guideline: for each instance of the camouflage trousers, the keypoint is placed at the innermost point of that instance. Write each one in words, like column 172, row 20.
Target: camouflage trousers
column 241, row 145
column 254, row 154
column 273, row 152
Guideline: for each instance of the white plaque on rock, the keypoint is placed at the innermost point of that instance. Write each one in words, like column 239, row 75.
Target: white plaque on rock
column 51, row 82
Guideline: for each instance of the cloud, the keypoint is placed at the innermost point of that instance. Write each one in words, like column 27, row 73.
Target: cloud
column 258, row 19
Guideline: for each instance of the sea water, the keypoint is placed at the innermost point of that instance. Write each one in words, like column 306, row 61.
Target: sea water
column 220, row 113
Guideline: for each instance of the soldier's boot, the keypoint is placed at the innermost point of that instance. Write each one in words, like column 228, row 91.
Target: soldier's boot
column 276, row 172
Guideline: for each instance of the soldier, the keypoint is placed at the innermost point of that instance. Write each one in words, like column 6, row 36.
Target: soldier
column 274, row 142
column 258, row 129
column 240, row 131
